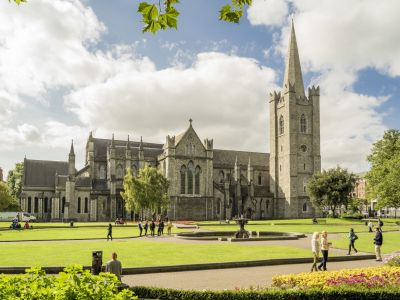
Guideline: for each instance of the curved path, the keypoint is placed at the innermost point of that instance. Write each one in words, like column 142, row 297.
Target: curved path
column 222, row 279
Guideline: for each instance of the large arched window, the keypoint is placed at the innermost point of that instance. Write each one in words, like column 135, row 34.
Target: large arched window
column 281, row 125
column 259, row 179
column 303, row 124
column 197, row 180
column 29, row 204
column 119, row 173
column 305, row 208
column 102, row 172
column 63, row 205
column 190, row 172
column 46, row 204
column 183, row 179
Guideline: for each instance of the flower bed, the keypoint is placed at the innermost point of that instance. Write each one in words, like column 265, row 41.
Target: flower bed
column 374, row 277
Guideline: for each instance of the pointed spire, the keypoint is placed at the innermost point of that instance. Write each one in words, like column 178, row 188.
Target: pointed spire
column 235, row 171
column 71, row 151
column 128, row 146
column 141, row 144
column 112, row 141
column 190, row 121
column 249, row 170
column 293, row 75
column 90, row 136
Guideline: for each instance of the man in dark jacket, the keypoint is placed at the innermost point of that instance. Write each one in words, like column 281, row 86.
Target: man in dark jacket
column 378, row 241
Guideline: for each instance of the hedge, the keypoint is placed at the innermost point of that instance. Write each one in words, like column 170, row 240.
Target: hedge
column 345, row 293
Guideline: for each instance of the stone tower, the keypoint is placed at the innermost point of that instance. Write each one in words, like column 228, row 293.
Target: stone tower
column 294, row 140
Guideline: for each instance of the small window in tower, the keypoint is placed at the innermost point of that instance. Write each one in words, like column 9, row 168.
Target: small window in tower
column 304, row 189
column 281, row 148
column 303, row 124
column 305, row 208
column 304, row 166
column 281, row 125
column 259, row 179
column 280, row 167
column 303, row 148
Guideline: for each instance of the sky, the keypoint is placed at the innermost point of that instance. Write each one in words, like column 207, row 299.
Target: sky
column 68, row 67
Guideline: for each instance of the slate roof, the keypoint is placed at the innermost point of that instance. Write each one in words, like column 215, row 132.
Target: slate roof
column 100, row 148
column 42, row 173
column 228, row 157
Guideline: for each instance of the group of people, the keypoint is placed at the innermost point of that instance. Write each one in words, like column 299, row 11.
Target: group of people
column 160, row 227
column 320, row 243
column 16, row 225
column 145, row 227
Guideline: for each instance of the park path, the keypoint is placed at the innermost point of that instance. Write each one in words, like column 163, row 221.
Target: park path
column 222, row 279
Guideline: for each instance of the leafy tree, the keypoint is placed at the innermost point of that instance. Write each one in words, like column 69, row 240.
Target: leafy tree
column 384, row 177
column 149, row 190
column 356, row 205
column 331, row 188
column 14, row 180
column 163, row 15
column 6, row 199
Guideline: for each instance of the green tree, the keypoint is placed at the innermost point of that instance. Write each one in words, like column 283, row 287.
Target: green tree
column 331, row 188
column 6, row 199
column 149, row 190
column 14, row 180
column 163, row 15
column 384, row 176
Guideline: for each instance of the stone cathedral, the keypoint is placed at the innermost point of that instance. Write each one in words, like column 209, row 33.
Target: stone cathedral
column 205, row 183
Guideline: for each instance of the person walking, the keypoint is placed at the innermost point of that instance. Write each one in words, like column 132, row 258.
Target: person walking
column 169, row 227
column 380, row 224
column 315, row 247
column 161, row 226
column 352, row 238
column 109, row 232
column 146, row 227
column 152, row 227
column 370, row 226
column 140, row 228
column 378, row 241
column 324, row 249
column 114, row 266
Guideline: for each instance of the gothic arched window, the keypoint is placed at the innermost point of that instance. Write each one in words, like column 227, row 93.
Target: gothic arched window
column 281, row 125
column 305, row 208
column 197, row 180
column 86, row 210
column 119, row 173
column 183, row 179
column 190, row 172
column 221, row 177
column 79, row 205
column 259, row 179
column 102, row 172
column 303, row 124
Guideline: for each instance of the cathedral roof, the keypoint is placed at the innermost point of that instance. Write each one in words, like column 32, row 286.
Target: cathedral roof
column 293, row 76
column 228, row 157
column 42, row 173
column 100, row 148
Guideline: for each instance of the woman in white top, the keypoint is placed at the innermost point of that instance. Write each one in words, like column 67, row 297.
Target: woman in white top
column 324, row 249
column 315, row 247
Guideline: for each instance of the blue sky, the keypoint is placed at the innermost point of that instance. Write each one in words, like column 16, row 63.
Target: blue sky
column 70, row 66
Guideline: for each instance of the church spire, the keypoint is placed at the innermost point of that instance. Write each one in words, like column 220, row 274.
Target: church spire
column 293, row 76
column 128, row 146
column 71, row 151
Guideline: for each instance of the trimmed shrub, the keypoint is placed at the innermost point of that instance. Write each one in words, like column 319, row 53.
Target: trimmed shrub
column 72, row 284
column 271, row 294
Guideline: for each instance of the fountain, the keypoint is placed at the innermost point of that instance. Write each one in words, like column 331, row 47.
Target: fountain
column 242, row 233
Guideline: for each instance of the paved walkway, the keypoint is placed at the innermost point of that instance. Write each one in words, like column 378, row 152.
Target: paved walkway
column 230, row 278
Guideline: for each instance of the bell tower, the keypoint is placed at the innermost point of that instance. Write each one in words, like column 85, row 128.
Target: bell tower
column 294, row 139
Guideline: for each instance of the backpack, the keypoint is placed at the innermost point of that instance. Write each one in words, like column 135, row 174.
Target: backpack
column 380, row 223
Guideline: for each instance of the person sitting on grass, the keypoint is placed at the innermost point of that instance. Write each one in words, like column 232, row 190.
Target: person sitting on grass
column 114, row 266
column 26, row 226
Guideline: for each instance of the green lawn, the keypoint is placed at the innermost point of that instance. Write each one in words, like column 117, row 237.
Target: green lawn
column 391, row 242
column 138, row 253
column 70, row 233
column 60, row 224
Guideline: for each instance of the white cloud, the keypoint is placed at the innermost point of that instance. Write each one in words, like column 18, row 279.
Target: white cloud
column 268, row 12
column 224, row 94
